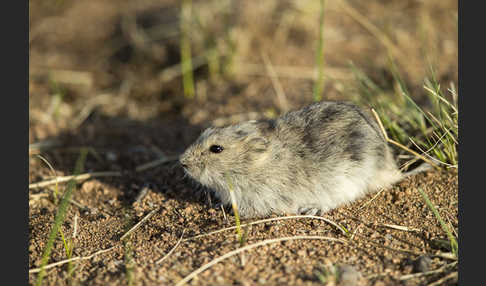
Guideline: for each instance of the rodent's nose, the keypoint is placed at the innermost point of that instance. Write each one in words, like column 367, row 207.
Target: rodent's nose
column 182, row 161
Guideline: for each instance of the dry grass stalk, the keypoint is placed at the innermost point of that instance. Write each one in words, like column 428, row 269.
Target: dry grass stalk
column 251, row 246
column 400, row 227
column 371, row 200
column 372, row 28
column 172, row 250
column 426, row 153
column 406, row 251
column 269, row 220
column 156, row 163
column 78, row 178
column 37, row 147
column 439, row 270
column 295, row 72
column 400, row 145
column 149, row 215
column 62, row 262
column 441, row 281
column 282, row 99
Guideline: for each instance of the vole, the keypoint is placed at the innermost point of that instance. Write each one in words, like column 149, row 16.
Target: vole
column 307, row 161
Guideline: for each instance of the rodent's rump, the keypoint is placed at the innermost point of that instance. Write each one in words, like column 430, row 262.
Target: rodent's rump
column 313, row 159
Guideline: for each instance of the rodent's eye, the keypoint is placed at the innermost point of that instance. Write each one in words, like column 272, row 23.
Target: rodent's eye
column 216, row 148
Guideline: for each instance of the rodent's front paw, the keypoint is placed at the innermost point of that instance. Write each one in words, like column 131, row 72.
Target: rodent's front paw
column 309, row 210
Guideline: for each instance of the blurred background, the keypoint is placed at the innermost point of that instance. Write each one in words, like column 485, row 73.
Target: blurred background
column 117, row 74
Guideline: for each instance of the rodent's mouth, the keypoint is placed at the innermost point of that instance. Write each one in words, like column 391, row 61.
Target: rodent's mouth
column 183, row 164
column 190, row 168
column 193, row 173
column 187, row 170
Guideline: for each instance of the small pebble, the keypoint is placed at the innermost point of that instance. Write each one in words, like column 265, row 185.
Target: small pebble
column 422, row 264
column 349, row 276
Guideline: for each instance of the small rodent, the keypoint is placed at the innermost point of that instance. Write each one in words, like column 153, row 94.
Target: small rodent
column 307, row 161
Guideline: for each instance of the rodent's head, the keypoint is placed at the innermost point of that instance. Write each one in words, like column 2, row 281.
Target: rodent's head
column 233, row 150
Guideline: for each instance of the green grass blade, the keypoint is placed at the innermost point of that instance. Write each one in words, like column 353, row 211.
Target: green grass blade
column 319, row 83
column 446, row 229
column 185, row 46
column 235, row 210
column 128, row 257
column 61, row 212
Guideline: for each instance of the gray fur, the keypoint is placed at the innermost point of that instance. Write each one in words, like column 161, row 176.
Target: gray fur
column 313, row 159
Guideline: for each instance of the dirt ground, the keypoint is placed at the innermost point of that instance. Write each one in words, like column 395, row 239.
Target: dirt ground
column 103, row 75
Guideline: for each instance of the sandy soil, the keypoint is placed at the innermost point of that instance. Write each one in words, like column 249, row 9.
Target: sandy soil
column 381, row 254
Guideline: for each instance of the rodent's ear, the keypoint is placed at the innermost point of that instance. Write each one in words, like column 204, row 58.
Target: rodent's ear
column 258, row 144
column 265, row 126
column 251, row 127
column 206, row 134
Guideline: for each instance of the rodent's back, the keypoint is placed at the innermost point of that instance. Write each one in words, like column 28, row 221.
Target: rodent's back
column 328, row 131
column 337, row 151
